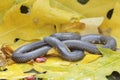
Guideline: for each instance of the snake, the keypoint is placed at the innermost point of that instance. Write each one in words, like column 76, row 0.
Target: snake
column 70, row 45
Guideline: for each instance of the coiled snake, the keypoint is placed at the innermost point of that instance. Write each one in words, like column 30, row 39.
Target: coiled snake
column 70, row 45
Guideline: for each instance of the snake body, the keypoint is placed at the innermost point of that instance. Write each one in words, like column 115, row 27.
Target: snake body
column 66, row 36
column 70, row 45
column 30, row 51
column 75, row 55
column 107, row 41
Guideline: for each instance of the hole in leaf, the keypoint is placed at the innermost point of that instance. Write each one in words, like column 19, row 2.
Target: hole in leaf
column 16, row 39
column 83, row 2
column 109, row 13
column 114, row 76
column 24, row 9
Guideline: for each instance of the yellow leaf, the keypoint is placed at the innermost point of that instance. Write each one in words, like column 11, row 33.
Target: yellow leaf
column 90, row 57
column 76, row 27
column 111, row 27
column 15, row 71
column 38, row 21
column 91, row 25
column 92, row 8
column 53, row 52
column 43, row 18
column 6, row 4
column 55, row 15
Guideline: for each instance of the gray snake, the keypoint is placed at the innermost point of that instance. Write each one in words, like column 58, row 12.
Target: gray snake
column 70, row 45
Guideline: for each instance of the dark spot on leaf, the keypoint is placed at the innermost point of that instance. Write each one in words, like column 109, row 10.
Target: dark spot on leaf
column 16, row 39
column 83, row 2
column 114, row 76
column 39, row 78
column 76, row 64
column 55, row 27
column 33, row 71
column 24, row 9
column 109, row 13
column 4, row 69
column 44, row 72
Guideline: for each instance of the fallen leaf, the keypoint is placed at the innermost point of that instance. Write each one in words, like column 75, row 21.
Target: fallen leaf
column 90, row 58
column 35, row 24
column 96, row 70
column 4, row 6
column 15, row 71
column 92, row 8
column 111, row 26
column 91, row 25
column 27, row 21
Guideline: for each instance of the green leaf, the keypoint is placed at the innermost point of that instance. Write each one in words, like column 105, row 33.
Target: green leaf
column 97, row 70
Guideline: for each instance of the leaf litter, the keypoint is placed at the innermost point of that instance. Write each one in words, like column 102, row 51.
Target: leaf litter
column 92, row 67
